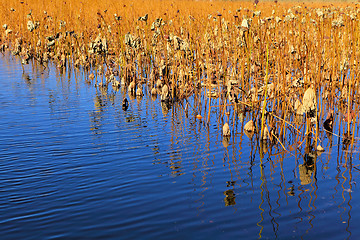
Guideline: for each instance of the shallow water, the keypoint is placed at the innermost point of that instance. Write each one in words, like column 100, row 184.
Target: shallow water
column 74, row 164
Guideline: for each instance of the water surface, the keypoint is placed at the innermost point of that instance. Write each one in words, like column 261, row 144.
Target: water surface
column 74, row 164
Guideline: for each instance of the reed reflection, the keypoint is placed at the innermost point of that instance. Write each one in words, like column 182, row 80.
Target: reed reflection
column 229, row 197
column 263, row 167
column 306, row 170
column 272, row 178
column 100, row 100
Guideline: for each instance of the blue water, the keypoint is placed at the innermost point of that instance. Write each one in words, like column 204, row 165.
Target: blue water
column 75, row 165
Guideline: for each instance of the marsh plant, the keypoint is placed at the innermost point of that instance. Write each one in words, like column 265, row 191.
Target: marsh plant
column 282, row 67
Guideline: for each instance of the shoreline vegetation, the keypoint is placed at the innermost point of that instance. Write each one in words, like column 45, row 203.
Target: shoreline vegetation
column 291, row 66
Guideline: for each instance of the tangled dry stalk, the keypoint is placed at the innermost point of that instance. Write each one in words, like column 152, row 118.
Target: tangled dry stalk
column 287, row 64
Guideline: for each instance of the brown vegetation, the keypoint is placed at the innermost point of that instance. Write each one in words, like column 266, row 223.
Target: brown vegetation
column 274, row 60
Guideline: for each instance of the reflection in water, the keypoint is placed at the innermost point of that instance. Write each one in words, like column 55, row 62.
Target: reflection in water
column 131, row 95
column 139, row 97
column 125, row 104
column 176, row 169
column 306, row 169
column 225, row 141
column 27, row 78
column 165, row 107
column 100, row 102
column 229, row 197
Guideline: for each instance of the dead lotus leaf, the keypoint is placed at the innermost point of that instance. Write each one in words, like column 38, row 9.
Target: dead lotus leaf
column 226, row 130
column 265, row 134
column 249, row 126
column 320, row 148
column 309, row 100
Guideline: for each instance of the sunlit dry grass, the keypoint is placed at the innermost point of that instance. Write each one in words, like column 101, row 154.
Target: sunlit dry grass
column 277, row 61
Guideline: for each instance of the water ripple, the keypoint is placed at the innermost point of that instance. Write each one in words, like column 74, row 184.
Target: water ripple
column 73, row 164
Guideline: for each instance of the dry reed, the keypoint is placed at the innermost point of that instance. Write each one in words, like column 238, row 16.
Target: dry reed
column 256, row 58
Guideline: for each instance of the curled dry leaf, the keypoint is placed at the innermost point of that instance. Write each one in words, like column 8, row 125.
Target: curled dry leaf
column 165, row 95
column 139, row 91
column 265, row 134
column 320, row 148
column 329, row 121
column 131, row 87
column 226, row 130
column 309, row 100
column 153, row 91
column 298, row 107
column 250, row 126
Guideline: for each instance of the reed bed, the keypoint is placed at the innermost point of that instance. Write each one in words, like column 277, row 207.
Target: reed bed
column 290, row 68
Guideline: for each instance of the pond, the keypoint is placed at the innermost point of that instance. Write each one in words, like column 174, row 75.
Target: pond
column 74, row 164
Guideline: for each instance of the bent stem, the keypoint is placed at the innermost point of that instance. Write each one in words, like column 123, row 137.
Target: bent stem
column 265, row 98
